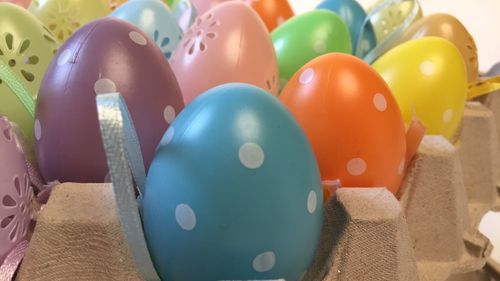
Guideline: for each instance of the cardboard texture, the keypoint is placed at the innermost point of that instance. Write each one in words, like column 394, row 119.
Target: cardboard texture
column 492, row 101
column 430, row 234
column 364, row 237
column 78, row 237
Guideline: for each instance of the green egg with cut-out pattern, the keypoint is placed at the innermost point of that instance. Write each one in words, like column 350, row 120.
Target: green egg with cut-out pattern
column 26, row 49
column 64, row 17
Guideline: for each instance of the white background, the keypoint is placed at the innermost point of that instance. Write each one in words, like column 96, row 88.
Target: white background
column 482, row 19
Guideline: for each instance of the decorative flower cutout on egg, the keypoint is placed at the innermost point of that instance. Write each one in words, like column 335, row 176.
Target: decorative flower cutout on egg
column 18, row 56
column 15, row 208
column 62, row 20
column 164, row 43
column 199, row 35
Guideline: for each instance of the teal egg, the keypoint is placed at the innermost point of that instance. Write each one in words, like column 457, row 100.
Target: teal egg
column 234, row 191
column 155, row 19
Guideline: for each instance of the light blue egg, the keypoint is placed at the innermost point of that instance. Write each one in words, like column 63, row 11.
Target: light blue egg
column 155, row 19
column 234, row 191
column 353, row 15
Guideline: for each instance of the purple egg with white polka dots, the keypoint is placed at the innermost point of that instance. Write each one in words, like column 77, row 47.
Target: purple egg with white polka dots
column 107, row 55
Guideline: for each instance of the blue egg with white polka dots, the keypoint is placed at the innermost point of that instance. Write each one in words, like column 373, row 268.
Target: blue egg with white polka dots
column 234, row 191
column 155, row 19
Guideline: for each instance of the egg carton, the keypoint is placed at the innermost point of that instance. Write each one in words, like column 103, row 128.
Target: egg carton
column 429, row 234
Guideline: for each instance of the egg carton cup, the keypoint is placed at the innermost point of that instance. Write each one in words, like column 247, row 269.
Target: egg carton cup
column 429, row 234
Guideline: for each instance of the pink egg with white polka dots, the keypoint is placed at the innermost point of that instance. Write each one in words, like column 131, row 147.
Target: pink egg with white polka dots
column 15, row 191
column 107, row 55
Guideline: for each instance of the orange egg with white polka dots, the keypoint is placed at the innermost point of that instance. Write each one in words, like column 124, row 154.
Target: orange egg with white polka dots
column 352, row 121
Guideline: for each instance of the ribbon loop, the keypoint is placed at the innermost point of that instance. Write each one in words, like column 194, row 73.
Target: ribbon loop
column 122, row 148
column 17, row 87
column 382, row 47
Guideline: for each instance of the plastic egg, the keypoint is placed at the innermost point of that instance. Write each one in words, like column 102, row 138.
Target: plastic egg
column 272, row 12
column 63, row 17
column 155, row 19
column 450, row 28
column 429, row 80
column 107, row 55
column 352, row 121
column 392, row 16
column 229, row 43
column 202, row 6
column 233, row 192
column 354, row 16
column 22, row 3
column 306, row 36
column 26, row 49
column 15, row 191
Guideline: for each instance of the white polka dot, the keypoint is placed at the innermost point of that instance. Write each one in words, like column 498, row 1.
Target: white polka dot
column 251, row 155
column 320, row 47
column 448, row 116
column 185, row 217
column 137, row 38
column 307, row 76
column 380, row 102
column 38, row 130
column 427, row 68
column 169, row 114
column 169, row 135
column 64, row 57
column 104, row 86
column 312, row 201
column 356, row 166
column 264, row 262
column 401, row 167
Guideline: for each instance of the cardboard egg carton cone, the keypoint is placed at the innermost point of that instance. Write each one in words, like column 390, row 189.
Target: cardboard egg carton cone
column 364, row 237
column 434, row 198
column 78, row 237
column 479, row 155
column 492, row 101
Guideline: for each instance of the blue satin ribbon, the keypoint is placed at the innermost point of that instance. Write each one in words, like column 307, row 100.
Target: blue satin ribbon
column 392, row 38
column 185, row 13
column 17, row 87
column 122, row 149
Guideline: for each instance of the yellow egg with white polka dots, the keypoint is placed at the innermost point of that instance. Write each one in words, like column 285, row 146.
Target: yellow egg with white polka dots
column 429, row 80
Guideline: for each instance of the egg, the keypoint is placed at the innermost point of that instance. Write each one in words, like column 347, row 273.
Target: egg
column 352, row 121
column 22, row 3
column 63, row 17
column 306, row 36
column 155, row 19
column 202, row 6
column 26, row 49
column 106, row 55
column 229, row 43
column 354, row 16
column 234, row 191
column 392, row 15
column 450, row 28
column 15, row 191
column 272, row 12
column 429, row 81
